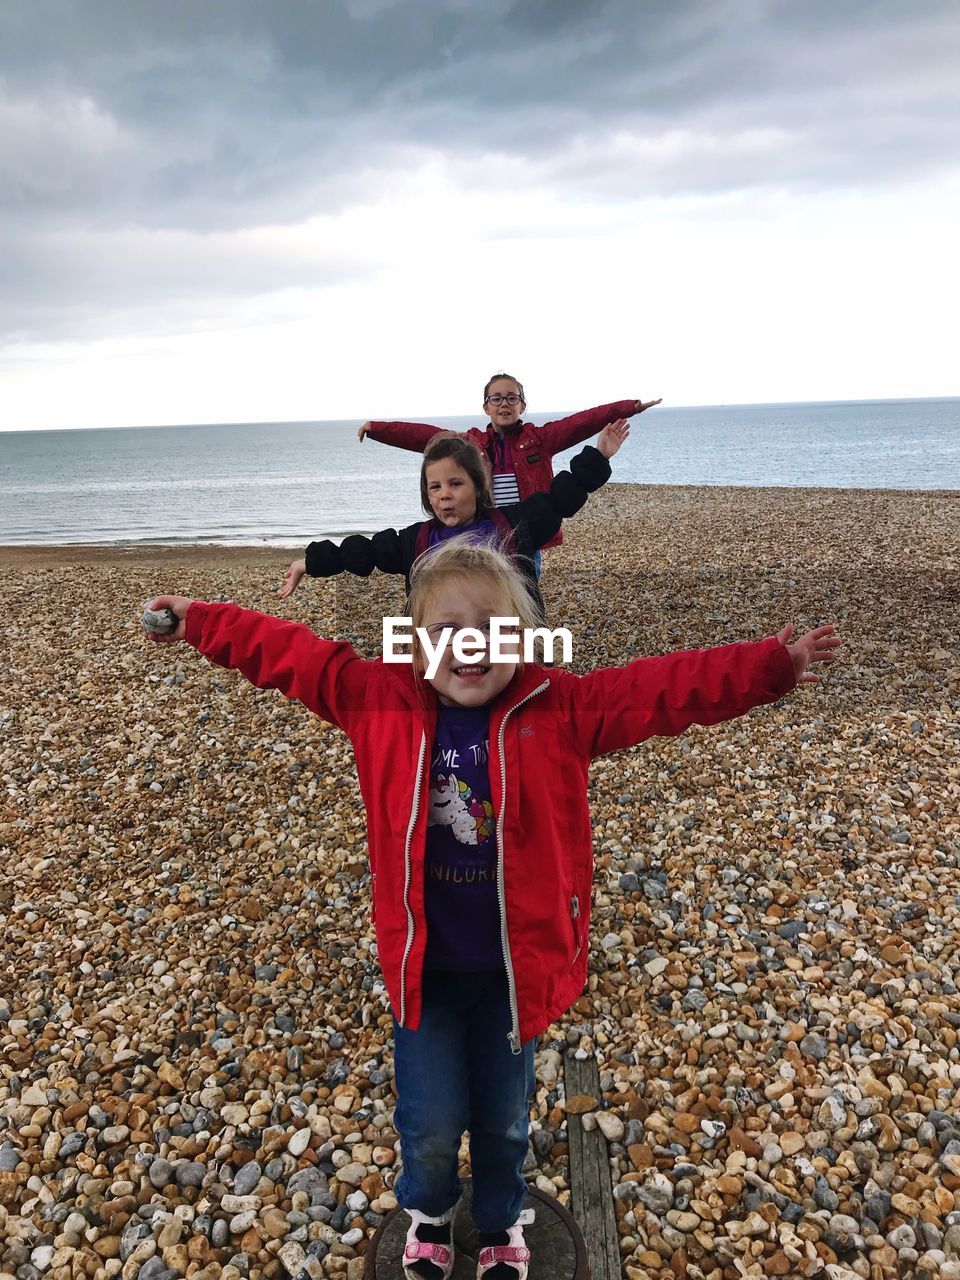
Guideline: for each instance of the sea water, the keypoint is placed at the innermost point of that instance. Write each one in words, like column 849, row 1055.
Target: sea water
column 284, row 484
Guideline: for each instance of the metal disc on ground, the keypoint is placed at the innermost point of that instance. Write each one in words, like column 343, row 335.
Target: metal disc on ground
column 556, row 1245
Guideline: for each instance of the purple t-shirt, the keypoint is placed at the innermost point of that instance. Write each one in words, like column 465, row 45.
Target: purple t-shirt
column 478, row 531
column 460, row 892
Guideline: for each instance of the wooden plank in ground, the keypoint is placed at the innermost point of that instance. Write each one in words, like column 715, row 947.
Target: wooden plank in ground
column 591, row 1190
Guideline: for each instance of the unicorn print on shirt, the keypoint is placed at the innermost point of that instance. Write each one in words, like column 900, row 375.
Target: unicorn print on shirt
column 452, row 804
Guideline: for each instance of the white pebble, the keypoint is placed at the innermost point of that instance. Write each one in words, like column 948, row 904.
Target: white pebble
column 299, row 1142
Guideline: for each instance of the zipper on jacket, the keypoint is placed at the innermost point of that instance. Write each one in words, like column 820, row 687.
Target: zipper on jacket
column 513, row 1037
column 575, row 917
column 407, row 872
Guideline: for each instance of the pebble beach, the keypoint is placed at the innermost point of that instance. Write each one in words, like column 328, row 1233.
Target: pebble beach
column 195, row 1042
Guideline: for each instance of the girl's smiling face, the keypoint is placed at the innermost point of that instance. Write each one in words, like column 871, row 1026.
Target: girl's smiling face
column 465, row 602
column 504, row 415
column 451, row 493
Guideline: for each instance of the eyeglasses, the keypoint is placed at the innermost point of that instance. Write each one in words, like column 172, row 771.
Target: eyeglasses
column 512, row 398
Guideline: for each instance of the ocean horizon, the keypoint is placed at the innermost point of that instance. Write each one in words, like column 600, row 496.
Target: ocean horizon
column 282, row 484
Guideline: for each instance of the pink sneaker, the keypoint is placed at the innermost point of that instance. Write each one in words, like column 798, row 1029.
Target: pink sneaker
column 514, row 1253
column 437, row 1257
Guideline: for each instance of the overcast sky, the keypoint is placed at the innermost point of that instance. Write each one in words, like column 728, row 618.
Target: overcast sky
column 244, row 210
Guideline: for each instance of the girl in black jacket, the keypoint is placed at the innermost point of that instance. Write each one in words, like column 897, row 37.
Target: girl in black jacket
column 455, row 488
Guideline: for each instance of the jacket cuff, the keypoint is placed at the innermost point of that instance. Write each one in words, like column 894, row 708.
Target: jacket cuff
column 321, row 559
column 193, row 622
column 783, row 677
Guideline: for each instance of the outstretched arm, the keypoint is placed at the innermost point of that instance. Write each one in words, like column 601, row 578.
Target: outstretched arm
column 621, row 706
column 566, row 432
column 357, row 554
column 328, row 677
column 402, row 435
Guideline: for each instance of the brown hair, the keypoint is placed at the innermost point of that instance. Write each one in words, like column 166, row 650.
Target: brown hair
column 496, row 378
column 461, row 558
column 466, row 455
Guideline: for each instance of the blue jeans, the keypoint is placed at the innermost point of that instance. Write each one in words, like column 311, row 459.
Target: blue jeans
column 537, row 564
column 456, row 1072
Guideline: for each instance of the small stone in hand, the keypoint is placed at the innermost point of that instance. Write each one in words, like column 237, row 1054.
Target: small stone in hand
column 161, row 621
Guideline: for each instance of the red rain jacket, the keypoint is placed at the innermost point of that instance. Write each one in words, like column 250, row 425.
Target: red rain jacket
column 532, row 447
column 545, row 728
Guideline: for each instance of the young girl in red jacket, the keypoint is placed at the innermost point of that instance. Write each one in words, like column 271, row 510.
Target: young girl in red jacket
column 520, row 454
column 480, row 850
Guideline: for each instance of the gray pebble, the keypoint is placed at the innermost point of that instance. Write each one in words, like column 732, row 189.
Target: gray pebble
column 151, row 1269
column 160, row 1172
column 825, row 1196
column 190, row 1174
column 543, row 1141
column 902, row 1237
column 133, row 1232
column 308, row 1180
column 814, row 1046
column 159, row 621
column 247, row 1177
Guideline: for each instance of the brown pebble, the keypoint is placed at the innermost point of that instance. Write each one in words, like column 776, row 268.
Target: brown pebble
column 778, row 1264
column 580, row 1103
column 741, row 1141
column 641, row 1155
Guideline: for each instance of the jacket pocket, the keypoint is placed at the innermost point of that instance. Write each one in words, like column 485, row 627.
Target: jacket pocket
column 576, row 920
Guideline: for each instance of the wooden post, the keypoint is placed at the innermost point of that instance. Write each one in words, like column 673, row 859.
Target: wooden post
column 591, row 1190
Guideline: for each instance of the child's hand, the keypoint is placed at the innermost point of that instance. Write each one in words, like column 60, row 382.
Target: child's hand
column 646, row 404
column 612, row 437
column 177, row 605
column 291, row 578
column 364, row 430
column 819, row 645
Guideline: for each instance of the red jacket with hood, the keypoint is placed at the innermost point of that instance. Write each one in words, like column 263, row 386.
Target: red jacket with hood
column 545, row 728
column 532, row 447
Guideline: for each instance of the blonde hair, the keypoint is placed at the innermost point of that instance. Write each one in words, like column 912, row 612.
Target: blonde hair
column 462, row 558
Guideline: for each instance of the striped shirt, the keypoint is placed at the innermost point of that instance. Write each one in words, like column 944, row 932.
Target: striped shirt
column 505, row 489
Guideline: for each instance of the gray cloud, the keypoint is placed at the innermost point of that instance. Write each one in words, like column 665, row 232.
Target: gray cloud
column 210, row 117
column 83, row 284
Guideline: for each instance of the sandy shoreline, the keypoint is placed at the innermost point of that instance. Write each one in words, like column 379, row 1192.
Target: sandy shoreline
column 186, row 970
column 919, row 506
